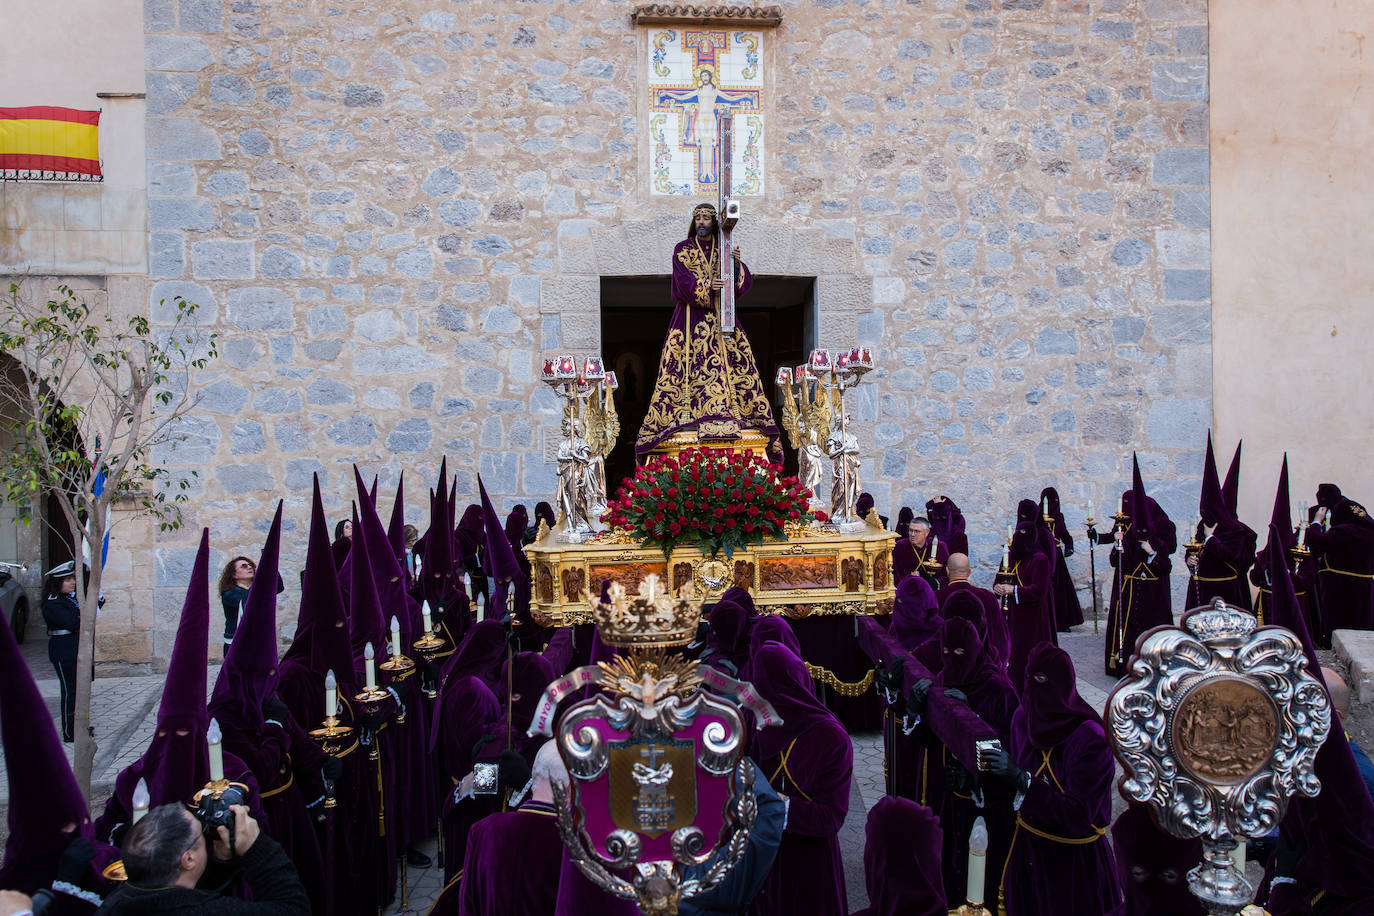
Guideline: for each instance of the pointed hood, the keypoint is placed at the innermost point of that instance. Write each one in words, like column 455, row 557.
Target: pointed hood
column 1141, row 517
column 389, row 577
column 396, row 528
column 365, row 623
column 249, row 673
column 1335, row 830
column 321, row 641
column 1281, row 518
column 44, row 796
column 437, row 572
column 1212, row 503
column 500, row 556
column 177, row 762
column 1230, row 487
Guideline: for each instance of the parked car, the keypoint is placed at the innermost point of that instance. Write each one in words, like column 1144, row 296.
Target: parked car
column 14, row 603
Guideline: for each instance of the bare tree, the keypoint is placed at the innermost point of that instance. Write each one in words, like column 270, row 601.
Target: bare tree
column 91, row 399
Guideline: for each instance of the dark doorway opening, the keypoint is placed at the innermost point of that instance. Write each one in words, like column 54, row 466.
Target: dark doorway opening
column 778, row 315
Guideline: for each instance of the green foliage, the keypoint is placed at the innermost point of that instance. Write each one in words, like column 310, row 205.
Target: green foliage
column 84, row 391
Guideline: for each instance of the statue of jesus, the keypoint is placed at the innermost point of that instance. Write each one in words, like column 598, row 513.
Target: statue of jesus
column 707, row 380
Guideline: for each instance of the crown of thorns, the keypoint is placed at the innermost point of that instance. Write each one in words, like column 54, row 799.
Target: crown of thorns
column 704, row 208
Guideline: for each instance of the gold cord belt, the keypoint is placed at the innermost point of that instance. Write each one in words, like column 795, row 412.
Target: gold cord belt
column 1346, row 572
column 1097, row 834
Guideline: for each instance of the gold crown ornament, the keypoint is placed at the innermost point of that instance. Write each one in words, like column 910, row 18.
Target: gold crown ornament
column 654, row 618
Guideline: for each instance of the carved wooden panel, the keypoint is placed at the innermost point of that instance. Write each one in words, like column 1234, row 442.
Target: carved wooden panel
column 880, row 570
column 852, row 572
column 682, row 574
column 744, row 574
column 543, row 582
column 629, row 574
column 574, row 583
column 797, row 572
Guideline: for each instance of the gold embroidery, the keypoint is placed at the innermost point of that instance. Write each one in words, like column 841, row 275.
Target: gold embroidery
column 724, row 384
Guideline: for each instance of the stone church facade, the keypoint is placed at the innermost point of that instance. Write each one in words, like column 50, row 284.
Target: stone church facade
column 389, row 213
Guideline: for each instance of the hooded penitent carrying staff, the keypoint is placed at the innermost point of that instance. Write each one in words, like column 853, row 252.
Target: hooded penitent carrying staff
column 1222, row 548
column 258, row 727
column 1141, row 597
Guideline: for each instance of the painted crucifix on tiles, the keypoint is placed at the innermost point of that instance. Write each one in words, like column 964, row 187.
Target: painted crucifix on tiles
column 694, row 76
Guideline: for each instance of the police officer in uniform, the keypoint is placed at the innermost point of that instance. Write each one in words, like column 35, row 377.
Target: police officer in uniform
column 62, row 614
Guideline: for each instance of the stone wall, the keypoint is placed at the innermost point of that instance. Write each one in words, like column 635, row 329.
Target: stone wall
column 391, row 212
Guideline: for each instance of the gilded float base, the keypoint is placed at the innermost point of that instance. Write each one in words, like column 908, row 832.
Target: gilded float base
column 732, row 441
column 814, row 571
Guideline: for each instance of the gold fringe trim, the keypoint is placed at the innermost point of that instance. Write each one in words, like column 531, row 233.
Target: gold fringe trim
column 843, row 688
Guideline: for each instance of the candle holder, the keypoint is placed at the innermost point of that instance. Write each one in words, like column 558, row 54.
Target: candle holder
column 972, row 909
column 429, row 646
column 333, row 739
column 590, row 429
column 368, row 699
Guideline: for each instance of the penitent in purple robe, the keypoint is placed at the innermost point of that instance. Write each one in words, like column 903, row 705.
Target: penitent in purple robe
column 998, row 639
column 1067, row 611
column 1223, row 562
column 1060, row 861
column 1030, row 611
column 493, row 882
column 1344, row 558
column 809, row 759
column 1153, row 866
column 705, row 376
column 947, row 522
column 1140, row 583
column 902, row 860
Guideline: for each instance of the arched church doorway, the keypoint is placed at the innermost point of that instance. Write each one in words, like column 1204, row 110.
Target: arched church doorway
column 778, row 315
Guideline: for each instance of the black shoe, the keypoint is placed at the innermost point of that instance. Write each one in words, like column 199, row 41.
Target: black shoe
column 67, row 739
column 417, row 859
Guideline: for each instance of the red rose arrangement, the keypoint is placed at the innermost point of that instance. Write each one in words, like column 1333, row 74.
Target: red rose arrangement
column 711, row 497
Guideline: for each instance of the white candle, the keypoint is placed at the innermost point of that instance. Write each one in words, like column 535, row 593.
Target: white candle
column 418, row 564
column 934, row 546
column 977, row 862
column 213, row 738
column 142, row 800
column 1238, row 855
column 1006, row 556
column 424, row 610
column 368, row 655
column 395, row 637
column 1302, row 533
column 331, row 695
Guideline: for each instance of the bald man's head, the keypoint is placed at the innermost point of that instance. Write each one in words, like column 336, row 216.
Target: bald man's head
column 1339, row 690
column 957, row 566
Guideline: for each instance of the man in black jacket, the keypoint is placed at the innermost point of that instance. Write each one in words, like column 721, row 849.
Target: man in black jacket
column 167, row 861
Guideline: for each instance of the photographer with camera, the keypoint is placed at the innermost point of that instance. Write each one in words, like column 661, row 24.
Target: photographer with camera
column 172, row 865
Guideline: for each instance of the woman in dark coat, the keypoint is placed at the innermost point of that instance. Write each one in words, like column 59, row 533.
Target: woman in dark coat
column 234, row 582
column 1060, row 768
column 1067, row 611
column 810, row 761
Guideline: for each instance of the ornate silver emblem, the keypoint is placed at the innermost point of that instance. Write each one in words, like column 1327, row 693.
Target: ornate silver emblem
column 1218, row 724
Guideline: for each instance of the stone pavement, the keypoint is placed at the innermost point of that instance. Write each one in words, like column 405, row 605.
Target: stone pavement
column 125, row 711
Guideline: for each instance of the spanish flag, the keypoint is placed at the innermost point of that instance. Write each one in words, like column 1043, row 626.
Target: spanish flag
column 47, row 142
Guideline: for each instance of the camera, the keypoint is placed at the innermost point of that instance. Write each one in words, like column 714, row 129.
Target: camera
column 212, row 810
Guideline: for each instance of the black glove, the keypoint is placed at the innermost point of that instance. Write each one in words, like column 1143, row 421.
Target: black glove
column 1003, row 767
column 437, row 615
column 118, row 833
column 275, row 709
column 890, row 679
column 432, row 672
column 1068, row 550
column 957, row 779
column 954, row 693
column 401, row 688
column 371, row 721
column 76, row 861
column 512, row 771
column 916, row 699
column 332, row 768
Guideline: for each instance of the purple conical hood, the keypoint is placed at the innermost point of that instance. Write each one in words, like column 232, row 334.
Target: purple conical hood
column 1335, row 830
column 1282, row 515
column 437, row 570
column 321, row 641
column 365, row 620
column 44, row 796
column 177, row 762
column 388, row 575
column 504, row 566
column 396, row 527
column 1141, row 519
column 1212, row 503
column 1230, row 487
column 249, row 673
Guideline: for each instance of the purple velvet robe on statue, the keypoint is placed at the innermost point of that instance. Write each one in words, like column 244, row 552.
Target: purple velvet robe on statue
column 704, row 375
column 809, row 759
column 1060, row 861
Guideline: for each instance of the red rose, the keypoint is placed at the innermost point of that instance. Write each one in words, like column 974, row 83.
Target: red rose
column 729, row 523
column 717, row 528
column 674, row 529
column 748, row 526
column 718, row 512
column 821, row 516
